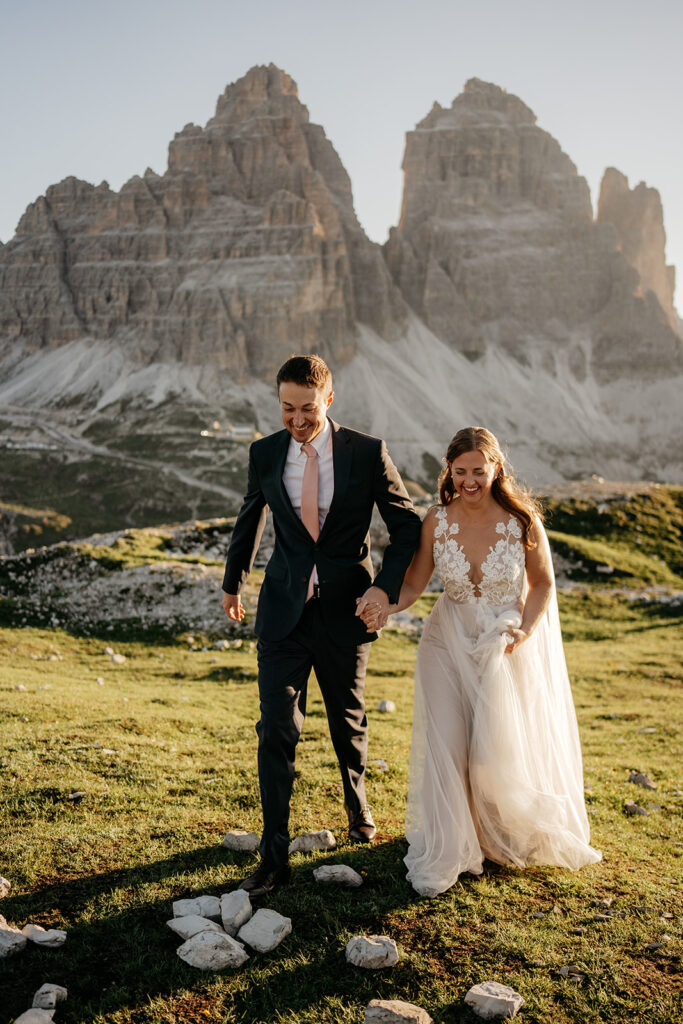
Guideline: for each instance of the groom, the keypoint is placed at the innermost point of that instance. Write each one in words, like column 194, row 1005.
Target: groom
column 320, row 481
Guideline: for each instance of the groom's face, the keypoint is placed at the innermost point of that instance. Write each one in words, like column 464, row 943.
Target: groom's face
column 304, row 410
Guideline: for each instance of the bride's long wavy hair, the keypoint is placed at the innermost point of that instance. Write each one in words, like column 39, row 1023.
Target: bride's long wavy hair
column 509, row 494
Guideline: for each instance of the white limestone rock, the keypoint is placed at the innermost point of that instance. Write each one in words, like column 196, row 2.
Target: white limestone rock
column 235, row 910
column 36, row 1015
column 5, row 886
column 386, row 706
column 490, row 999
column 372, row 951
column 213, row 951
column 47, row 996
column 118, row 659
column 50, row 938
column 308, row 841
column 201, row 906
column 342, row 874
column 241, row 841
column 265, row 930
column 192, row 924
column 395, row 1011
column 12, row 940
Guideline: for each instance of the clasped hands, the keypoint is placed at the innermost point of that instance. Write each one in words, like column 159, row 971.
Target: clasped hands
column 373, row 608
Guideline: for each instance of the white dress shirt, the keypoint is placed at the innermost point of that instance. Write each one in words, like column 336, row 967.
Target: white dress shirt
column 293, row 476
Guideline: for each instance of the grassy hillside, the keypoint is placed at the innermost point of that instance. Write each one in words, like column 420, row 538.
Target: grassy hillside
column 164, row 750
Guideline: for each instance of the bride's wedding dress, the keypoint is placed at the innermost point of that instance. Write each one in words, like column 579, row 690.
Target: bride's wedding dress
column 495, row 765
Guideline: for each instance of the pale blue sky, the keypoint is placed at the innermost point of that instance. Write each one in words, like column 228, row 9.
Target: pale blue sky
column 98, row 89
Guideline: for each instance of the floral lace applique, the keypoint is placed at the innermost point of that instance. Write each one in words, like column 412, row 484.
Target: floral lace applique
column 502, row 570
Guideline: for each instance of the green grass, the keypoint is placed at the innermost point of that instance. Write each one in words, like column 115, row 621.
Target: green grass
column 183, row 771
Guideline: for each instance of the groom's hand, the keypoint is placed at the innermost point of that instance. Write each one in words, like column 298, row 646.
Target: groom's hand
column 232, row 606
column 380, row 600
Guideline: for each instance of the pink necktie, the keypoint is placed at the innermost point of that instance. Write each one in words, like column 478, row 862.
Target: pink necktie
column 309, row 500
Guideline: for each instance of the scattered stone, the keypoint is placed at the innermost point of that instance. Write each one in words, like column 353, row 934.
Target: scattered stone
column 77, row 795
column 200, row 906
column 239, row 840
column 386, row 706
column 213, row 951
column 372, row 951
column 632, row 808
column 603, row 904
column 235, row 910
column 394, row 1011
column 36, row 1015
column 118, row 659
column 603, row 917
column 5, row 886
column 378, row 765
column 192, row 924
column 556, row 910
column 571, row 972
column 652, row 947
column 23, row 718
column 579, row 930
column 109, row 651
column 490, row 999
column 539, row 913
column 323, row 840
column 649, row 728
column 265, row 930
column 342, row 874
column 100, row 681
column 20, row 687
column 220, row 645
column 642, row 779
column 50, row 938
column 12, row 940
column 47, row 996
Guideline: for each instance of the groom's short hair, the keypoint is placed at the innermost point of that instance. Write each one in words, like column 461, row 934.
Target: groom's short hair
column 307, row 371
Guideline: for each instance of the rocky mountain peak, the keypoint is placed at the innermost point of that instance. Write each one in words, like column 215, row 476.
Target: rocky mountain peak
column 638, row 217
column 246, row 247
column 260, row 92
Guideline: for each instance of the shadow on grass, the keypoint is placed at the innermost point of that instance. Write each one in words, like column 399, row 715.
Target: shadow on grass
column 119, row 954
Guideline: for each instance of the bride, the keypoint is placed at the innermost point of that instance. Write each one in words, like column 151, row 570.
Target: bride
column 495, row 765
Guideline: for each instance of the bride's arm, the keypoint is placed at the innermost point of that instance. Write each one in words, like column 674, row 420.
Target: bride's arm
column 539, row 574
column 417, row 576
column 421, row 568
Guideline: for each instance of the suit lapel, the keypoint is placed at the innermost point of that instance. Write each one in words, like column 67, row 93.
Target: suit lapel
column 341, row 462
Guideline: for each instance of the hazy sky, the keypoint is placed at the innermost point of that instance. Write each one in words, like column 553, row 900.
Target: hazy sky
column 98, row 89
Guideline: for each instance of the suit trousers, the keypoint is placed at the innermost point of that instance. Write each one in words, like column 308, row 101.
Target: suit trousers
column 284, row 667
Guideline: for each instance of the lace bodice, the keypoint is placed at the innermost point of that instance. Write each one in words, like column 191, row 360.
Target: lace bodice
column 502, row 571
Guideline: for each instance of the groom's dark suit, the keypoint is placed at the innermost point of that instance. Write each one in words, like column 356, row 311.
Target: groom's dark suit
column 323, row 633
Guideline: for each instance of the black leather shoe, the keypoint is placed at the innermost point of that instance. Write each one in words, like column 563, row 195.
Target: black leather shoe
column 361, row 826
column 265, row 879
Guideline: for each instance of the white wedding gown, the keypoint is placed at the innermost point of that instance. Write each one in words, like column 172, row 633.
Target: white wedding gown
column 495, row 765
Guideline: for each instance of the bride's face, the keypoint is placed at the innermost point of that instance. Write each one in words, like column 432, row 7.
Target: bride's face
column 473, row 477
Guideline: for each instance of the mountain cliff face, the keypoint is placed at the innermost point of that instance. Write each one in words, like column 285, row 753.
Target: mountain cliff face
column 497, row 245
column 247, row 246
column 137, row 326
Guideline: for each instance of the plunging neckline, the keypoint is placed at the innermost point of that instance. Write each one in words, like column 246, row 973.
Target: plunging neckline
column 468, row 563
column 497, row 568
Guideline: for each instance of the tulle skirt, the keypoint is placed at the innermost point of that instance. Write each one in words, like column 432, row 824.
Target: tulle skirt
column 495, row 764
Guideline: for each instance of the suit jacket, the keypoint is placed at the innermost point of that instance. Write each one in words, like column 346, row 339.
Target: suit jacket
column 364, row 475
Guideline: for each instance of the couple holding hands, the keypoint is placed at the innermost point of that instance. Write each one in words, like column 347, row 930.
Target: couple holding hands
column 495, row 765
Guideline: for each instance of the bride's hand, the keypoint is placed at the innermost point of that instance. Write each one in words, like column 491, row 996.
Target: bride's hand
column 514, row 638
column 372, row 616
